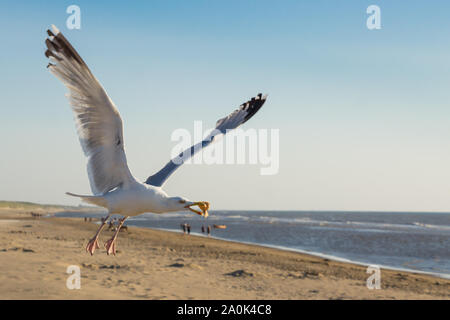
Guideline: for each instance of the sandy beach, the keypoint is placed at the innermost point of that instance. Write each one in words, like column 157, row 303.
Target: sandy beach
column 153, row 264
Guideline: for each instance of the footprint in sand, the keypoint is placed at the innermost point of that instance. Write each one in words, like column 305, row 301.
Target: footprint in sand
column 94, row 266
column 17, row 249
column 188, row 265
column 176, row 265
column 240, row 273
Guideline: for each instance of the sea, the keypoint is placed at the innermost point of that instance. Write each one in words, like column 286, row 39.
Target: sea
column 410, row 241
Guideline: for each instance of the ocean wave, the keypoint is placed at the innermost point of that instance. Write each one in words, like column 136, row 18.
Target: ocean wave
column 432, row 226
column 346, row 224
column 329, row 223
column 265, row 219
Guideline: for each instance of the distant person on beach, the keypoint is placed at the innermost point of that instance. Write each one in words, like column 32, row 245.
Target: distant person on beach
column 183, row 227
column 203, row 228
column 209, row 230
column 36, row 215
column 188, row 227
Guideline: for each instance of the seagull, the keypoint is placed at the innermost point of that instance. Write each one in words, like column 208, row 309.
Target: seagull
column 100, row 131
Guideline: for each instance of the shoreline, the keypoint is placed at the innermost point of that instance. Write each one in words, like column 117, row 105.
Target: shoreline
column 313, row 254
column 434, row 270
column 155, row 264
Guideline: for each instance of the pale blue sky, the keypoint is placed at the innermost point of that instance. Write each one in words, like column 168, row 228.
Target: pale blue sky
column 363, row 115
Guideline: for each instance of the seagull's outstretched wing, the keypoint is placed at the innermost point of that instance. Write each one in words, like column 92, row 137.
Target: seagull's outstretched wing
column 98, row 122
column 230, row 122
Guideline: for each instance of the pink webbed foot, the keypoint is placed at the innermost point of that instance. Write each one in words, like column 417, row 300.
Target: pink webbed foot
column 92, row 245
column 110, row 246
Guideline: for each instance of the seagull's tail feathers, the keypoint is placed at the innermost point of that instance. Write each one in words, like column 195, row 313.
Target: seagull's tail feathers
column 96, row 200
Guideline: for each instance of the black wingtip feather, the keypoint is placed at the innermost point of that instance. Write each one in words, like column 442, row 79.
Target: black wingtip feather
column 60, row 45
column 49, row 54
column 252, row 106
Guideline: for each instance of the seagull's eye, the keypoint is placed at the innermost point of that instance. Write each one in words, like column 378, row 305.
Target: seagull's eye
column 182, row 201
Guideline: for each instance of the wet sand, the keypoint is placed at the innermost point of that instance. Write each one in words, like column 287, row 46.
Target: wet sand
column 153, row 264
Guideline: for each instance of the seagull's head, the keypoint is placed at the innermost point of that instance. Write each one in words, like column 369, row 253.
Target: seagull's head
column 181, row 204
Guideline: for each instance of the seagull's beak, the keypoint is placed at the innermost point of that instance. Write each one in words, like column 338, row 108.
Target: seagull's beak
column 202, row 205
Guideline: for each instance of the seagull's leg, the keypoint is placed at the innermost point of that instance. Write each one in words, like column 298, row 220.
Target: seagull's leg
column 110, row 245
column 93, row 243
